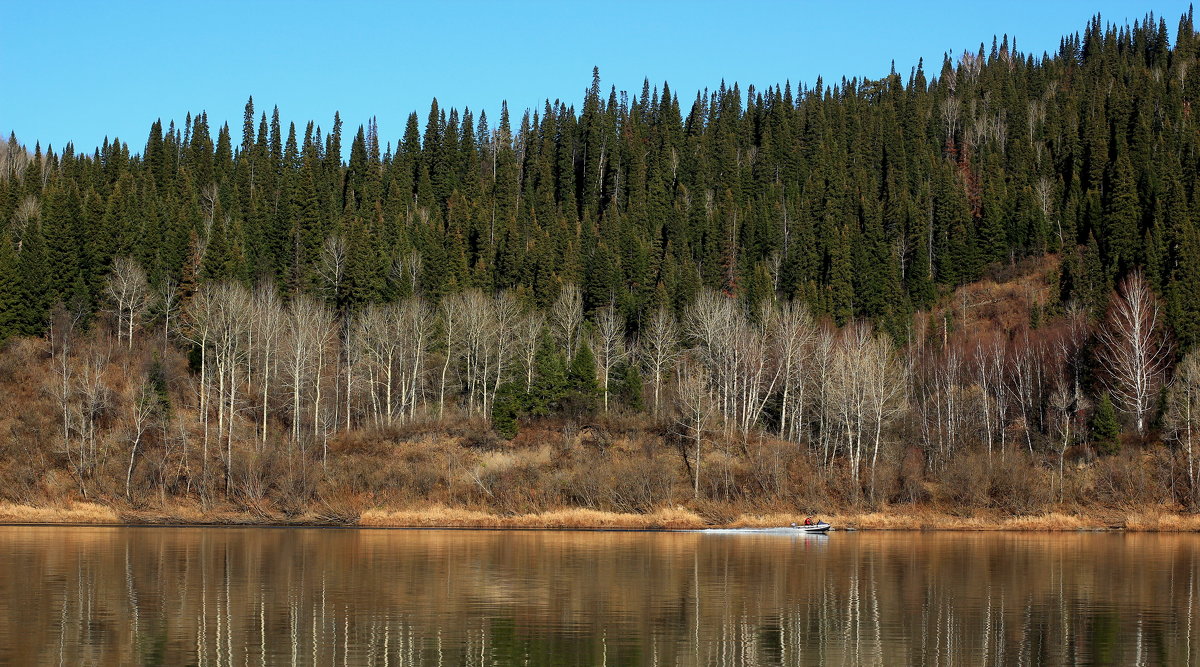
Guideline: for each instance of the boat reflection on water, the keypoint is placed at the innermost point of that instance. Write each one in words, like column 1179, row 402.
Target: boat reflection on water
column 217, row 596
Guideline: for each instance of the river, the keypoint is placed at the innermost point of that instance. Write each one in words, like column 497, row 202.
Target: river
column 259, row 596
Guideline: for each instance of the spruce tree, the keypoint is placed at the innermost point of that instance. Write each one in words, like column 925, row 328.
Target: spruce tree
column 1121, row 220
column 11, row 292
column 32, row 269
column 1105, row 429
column 583, row 391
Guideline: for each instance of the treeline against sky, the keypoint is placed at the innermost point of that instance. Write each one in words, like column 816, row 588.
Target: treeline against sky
column 745, row 262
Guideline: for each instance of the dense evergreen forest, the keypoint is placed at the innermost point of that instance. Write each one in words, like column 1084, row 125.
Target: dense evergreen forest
column 764, row 290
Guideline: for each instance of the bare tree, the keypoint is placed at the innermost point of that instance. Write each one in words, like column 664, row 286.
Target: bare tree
column 268, row 326
column 609, row 344
column 198, row 317
column 1134, row 351
column 849, row 393
column 755, row 371
column 372, row 333
column 412, row 264
column 1044, row 195
column 393, row 338
column 1066, row 407
column 1066, row 397
column 331, row 265
column 793, row 334
column 143, row 406
column 506, row 321
column 417, row 324
column 660, row 349
column 823, row 354
column 28, row 212
column 886, row 381
column 695, row 407
column 478, row 325
column 452, row 317
column 1183, row 417
column 230, row 329
column 307, row 328
column 566, row 317
column 989, row 368
column 130, row 294
column 1026, row 383
column 713, row 321
column 529, row 334
column 168, row 304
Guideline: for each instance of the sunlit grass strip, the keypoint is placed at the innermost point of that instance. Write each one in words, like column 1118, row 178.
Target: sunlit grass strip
column 450, row 517
column 672, row 518
column 89, row 513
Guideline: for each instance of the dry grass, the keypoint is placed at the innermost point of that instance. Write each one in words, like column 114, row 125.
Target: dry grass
column 1158, row 520
column 452, row 517
column 932, row 520
column 1153, row 519
column 90, row 513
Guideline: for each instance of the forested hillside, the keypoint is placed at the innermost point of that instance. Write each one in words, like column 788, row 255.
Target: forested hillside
column 766, row 296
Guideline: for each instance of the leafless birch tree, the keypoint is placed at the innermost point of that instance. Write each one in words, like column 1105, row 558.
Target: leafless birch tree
column 1133, row 348
column 609, row 345
column 130, row 295
column 566, row 318
column 695, row 407
column 660, row 349
column 1183, row 418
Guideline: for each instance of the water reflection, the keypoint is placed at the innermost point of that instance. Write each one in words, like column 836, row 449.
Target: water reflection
column 303, row 596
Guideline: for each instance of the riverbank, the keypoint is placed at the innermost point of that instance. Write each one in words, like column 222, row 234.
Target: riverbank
column 678, row 518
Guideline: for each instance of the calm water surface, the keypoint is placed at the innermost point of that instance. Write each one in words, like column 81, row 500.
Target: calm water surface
column 255, row 596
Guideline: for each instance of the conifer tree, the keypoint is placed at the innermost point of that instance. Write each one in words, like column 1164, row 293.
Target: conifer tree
column 1105, row 428
column 583, row 390
column 11, row 292
column 32, row 269
column 1122, row 215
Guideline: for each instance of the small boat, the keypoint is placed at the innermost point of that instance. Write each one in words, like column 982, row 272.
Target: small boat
column 818, row 527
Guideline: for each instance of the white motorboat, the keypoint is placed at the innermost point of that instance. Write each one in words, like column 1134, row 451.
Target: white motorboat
column 818, row 527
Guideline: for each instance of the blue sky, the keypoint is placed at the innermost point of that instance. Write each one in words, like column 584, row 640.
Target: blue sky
column 81, row 71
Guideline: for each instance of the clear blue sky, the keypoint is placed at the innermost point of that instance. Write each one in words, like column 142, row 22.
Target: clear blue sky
column 81, row 71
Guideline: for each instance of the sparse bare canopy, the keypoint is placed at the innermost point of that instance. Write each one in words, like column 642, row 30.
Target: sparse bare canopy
column 129, row 294
column 566, row 318
column 1183, row 418
column 659, row 350
column 1134, row 350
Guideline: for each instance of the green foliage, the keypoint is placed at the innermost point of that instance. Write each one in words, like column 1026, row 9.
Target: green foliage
column 31, row 270
column 583, row 391
column 1105, row 429
column 10, row 291
column 629, row 387
column 550, row 380
column 511, row 402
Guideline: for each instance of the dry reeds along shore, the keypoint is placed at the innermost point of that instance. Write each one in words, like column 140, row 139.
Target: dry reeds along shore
column 676, row 518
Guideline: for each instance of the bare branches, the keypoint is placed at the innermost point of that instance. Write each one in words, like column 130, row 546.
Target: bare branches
column 566, row 317
column 130, row 295
column 331, row 266
column 1133, row 348
column 659, row 348
column 694, row 403
column 1183, row 418
column 609, row 345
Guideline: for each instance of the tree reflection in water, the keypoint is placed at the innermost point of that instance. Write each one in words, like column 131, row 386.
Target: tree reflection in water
column 212, row 596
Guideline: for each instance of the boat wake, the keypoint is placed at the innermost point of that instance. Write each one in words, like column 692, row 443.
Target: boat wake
column 783, row 530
